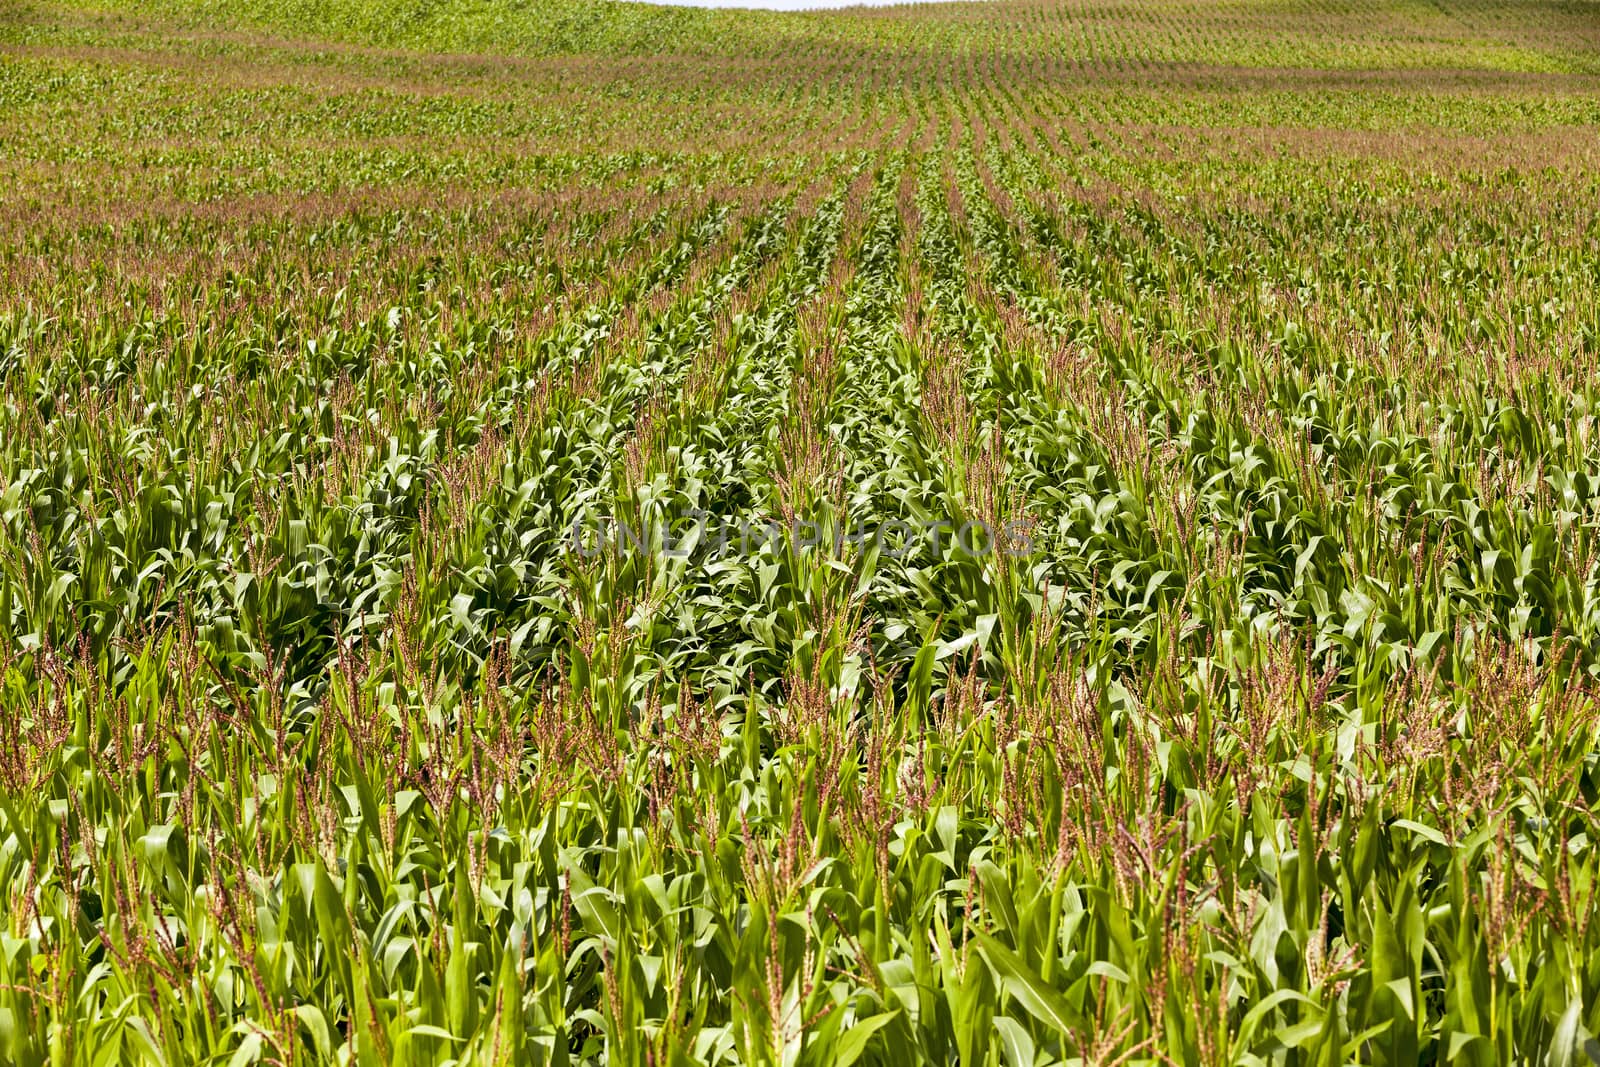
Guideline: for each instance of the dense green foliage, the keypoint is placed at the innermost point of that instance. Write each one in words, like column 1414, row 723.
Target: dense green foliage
column 1262, row 334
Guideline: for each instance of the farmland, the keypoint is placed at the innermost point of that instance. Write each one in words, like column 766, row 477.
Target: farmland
column 1009, row 534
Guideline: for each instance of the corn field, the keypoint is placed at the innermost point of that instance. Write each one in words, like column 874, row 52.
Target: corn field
column 1043, row 532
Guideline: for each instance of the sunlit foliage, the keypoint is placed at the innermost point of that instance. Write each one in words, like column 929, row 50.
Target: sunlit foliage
column 1260, row 337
